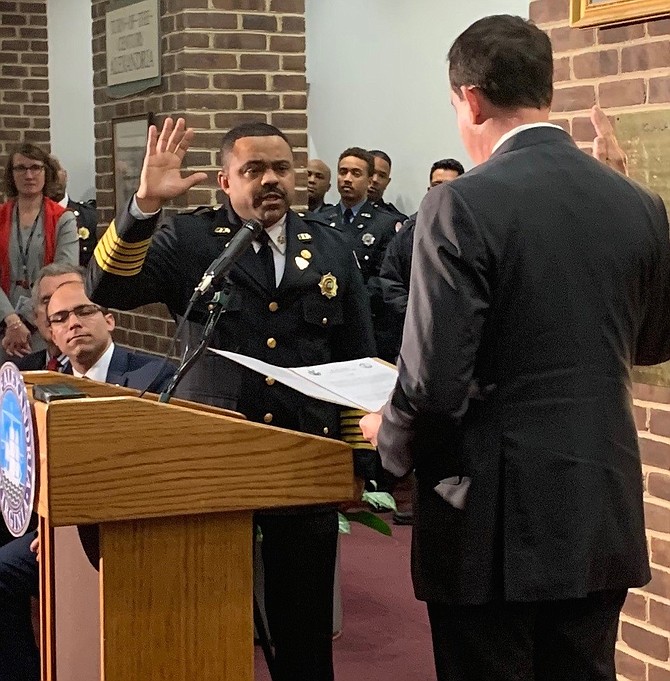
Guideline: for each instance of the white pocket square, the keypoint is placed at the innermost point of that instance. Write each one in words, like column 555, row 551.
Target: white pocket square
column 454, row 490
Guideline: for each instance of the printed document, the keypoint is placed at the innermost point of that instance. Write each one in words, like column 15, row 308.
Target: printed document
column 364, row 384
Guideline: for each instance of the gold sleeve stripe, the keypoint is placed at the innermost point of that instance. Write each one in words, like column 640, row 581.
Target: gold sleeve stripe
column 124, row 262
column 119, row 257
column 120, row 247
column 355, row 443
column 128, row 245
column 351, row 413
column 108, row 266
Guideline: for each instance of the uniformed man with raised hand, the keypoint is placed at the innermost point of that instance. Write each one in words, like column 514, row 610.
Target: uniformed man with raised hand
column 297, row 298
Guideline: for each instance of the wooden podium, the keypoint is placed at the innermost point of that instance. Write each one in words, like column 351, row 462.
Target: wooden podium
column 173, row 487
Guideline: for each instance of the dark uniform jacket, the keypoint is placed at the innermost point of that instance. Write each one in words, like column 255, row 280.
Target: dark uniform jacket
column 87, row 223
column 369, row 234
column 393, row 285
column 390, row 208
column 319, row 313
column 538, row 279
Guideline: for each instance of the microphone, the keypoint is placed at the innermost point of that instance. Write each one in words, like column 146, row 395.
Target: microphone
column 224, row 263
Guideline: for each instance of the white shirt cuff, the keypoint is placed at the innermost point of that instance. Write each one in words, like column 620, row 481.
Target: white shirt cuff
column 137, row 213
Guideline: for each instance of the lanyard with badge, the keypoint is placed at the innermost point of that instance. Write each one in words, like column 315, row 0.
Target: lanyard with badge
column 24, row 282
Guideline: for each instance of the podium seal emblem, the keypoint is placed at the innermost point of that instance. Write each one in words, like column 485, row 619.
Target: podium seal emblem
column 17, row 451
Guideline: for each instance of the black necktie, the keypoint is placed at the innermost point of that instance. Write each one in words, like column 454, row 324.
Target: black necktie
column 348, row 216
column 267, row 259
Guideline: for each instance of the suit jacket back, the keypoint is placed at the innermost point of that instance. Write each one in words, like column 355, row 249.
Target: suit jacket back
column 554, row 281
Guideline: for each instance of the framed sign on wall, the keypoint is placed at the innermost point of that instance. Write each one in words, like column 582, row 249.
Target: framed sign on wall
column 612, row 12
column 129, row 143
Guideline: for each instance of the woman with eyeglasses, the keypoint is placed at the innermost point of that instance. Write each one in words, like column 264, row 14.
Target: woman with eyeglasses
column 34, row 231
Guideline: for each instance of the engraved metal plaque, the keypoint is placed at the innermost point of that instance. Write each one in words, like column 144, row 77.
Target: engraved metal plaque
column 645, row 137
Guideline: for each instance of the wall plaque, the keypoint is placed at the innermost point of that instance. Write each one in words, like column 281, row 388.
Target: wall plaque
column 133, row 47
column 612, row 12
column 645, row 137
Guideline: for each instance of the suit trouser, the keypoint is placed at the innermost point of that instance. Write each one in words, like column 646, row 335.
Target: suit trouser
column 565, row 640
column 299, row 553
column 19, row 581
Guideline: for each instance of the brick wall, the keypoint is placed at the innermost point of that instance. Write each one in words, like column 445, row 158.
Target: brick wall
column 24, row 81
column 223, row 62
column 625, row 69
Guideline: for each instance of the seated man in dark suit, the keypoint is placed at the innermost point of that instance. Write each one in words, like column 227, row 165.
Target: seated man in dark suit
column 82, row 331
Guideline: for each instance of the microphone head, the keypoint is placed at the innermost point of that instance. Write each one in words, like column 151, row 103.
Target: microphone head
column 253, row 226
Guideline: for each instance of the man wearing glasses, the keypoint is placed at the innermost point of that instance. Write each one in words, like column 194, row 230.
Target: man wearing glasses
column 82, row 331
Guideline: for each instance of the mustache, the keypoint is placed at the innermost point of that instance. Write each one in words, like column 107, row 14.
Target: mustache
column 274, row 192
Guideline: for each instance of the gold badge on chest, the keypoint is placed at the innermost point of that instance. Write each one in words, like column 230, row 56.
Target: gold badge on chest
column 83, row 233
column 222, row 230
column 328, row 285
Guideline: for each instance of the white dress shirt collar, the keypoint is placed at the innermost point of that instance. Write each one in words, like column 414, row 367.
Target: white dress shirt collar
column 520, row 128
column 64, row 201
column 99, row 371
column 277, row 234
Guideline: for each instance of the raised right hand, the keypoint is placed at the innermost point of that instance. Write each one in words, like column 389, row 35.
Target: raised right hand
column 161, row 180
column 606, row 147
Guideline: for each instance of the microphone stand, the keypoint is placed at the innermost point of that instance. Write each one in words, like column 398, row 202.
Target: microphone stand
column 217, row 307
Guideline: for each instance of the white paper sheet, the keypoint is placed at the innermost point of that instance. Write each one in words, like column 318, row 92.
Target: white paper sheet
column 359, row 383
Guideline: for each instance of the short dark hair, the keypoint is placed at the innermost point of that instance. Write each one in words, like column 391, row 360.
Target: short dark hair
column 255, row 129
column 381, row 154
column 52, row 187
column 508, row 58
column 446, row 164
column 359, row 152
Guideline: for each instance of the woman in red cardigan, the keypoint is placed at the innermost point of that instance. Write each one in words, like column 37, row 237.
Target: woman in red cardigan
column 34, row 231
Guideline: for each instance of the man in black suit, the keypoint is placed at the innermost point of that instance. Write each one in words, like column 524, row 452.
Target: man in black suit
column 82, row 331
column 296, row 298
column 538, row 279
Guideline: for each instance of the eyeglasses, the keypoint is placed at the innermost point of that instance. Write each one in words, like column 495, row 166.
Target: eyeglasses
column 80, row 312
column 22, row 170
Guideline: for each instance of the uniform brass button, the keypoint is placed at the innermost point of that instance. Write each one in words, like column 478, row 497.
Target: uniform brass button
column 324, row 321
column 269, row 380
column 366, row 257
column 272, row 343
column 273, row 307
column 267, row 418
column 326, row 431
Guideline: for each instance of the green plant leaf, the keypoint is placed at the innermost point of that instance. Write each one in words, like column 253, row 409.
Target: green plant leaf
column 380, row 500
column 344, row 526
column 370, row 520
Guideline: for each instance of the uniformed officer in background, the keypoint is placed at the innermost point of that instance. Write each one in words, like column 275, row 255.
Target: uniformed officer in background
column 297, row 298
column 368, row 228
column 318, row 184
column 85, row 214
column 395, row 270
column 381, row 178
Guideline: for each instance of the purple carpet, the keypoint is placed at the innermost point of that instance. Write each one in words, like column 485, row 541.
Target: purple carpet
column 385, row 633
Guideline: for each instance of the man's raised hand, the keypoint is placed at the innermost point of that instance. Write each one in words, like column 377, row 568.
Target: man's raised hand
column 161, row 180
column 606, row 146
